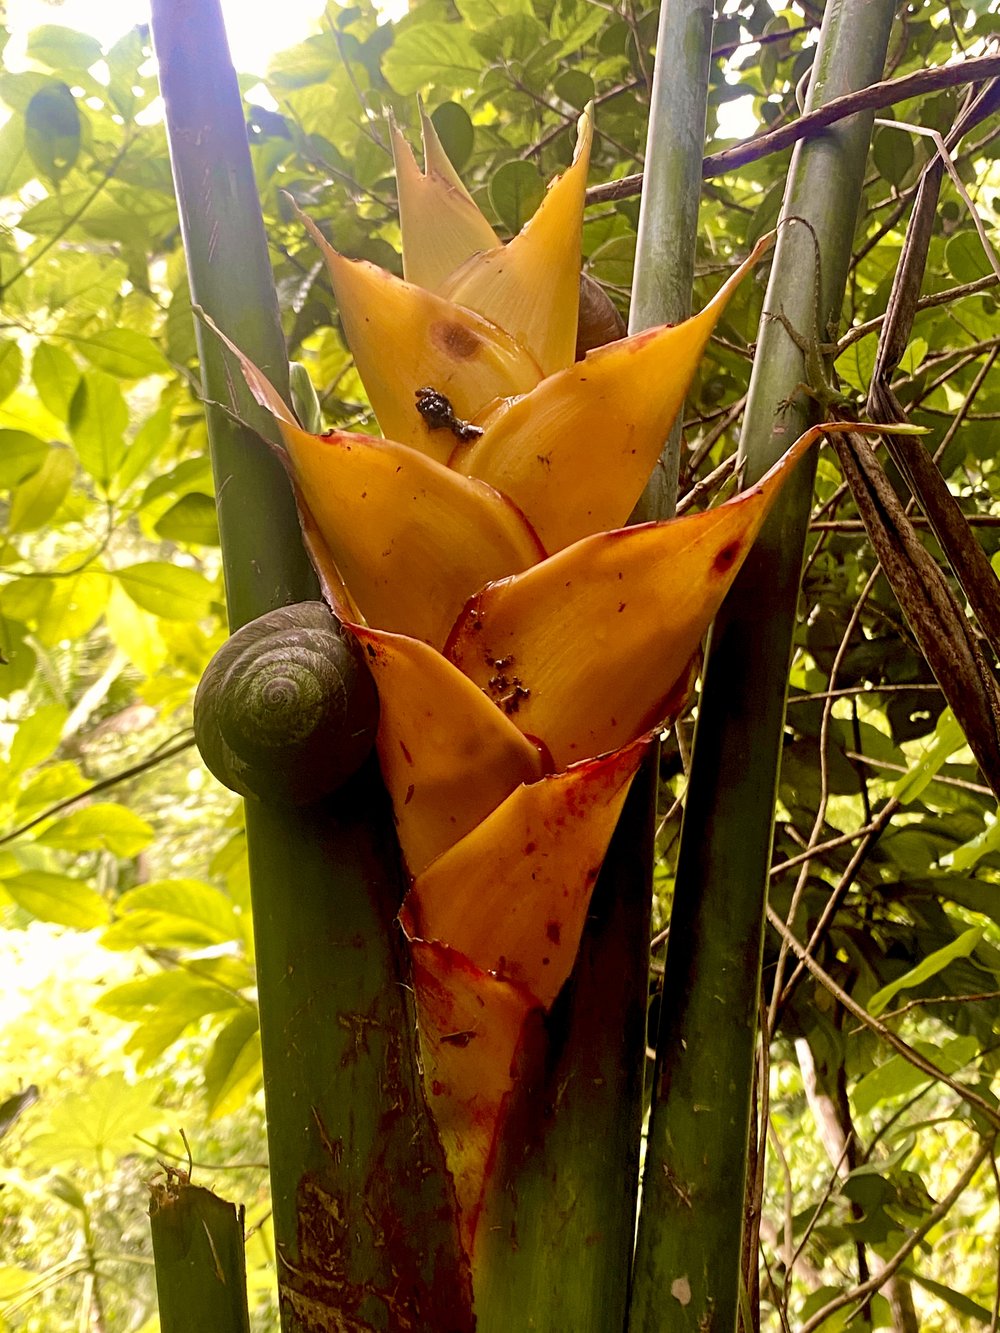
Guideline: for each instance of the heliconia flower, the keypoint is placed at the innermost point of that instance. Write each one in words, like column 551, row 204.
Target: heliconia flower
column 439, row 220
column 525, row 655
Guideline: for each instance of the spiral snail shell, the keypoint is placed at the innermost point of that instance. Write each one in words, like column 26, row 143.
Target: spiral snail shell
column 599, row 321
column 286, row 710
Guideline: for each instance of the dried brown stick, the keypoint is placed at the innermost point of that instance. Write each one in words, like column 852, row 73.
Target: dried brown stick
column 873, row 98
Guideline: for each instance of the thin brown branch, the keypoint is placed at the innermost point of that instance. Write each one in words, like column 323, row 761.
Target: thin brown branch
column 858, row 1295
column 901, row 1047
column 159, row 756
column 873, row 98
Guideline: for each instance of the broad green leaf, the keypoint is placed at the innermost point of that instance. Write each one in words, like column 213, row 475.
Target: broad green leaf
column 233, row 1071
column 173, row 913
column 961, row 947
column 948, row 737
column 37, row 737
column 164, row 1006
column 104, row 826
column 171, row 592
column 52, row 783
column 192, row 518
column 55, row 376
column 17, row 657
column 983, row 844
column 97, row 1126
column 75, row 606
column 63, row 50
column 14, row 1280
column 58, row 898
column 892, row 150
column 97, row 419
column 52, row 131
column 516, row 190
column 855, row 365
column 963, row 1304
column 124, row 353
column 441, row 54
column 15, row 164
column 898, row 1078
column 455, row 131
column 916, row 350
column 150, row 438
column 21, row 454
column 135, row 632
column 966, row 258
column 36, row 501
column 11, row 366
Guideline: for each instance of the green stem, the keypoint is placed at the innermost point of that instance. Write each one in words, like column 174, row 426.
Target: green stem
column 671, row 192
column 687, row 1273
column 364, row 1215
column 200, row 1268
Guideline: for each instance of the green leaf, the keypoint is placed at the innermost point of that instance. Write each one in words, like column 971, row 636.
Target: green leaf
column 52, row 131
column 163, row 1007
column 98, row 416
column 11, row 366
column 104, row 826
column 124, row 353
column 173, row 914
column 898, row 1078
column 966, row 258
column 57, row 898
column 63, row 49
column 55, row 376
column 77, row 603
column 52, row 783
column 892, row 150
column 97, row 1126
column 36, row 501
column 947, row 738
column 37, row 737
column 17, row 657
column 21, row 454
column 961, row 947
column 516, row 190
column 150, row 438
column 967, row 1308
column 916, row 350
column 233, row 1070
column 168, row 591
column 439, row 54
column 983, row 844
column 192, row 518
column 454, row 128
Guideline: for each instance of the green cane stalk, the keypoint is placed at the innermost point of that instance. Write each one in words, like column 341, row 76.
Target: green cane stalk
column 198, row 1252
column 687, row 1273
column 363, row 1208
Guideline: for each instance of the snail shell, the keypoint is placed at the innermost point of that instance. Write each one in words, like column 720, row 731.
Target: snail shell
column 599, row 322
column 287, row 710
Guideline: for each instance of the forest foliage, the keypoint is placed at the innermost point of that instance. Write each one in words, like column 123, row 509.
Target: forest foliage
column 124, row 905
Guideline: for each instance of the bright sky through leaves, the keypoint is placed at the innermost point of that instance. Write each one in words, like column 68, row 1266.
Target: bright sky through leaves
column 256, row 29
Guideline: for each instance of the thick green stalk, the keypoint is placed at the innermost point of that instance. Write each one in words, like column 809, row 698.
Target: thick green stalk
column 671, row 191
column 687, row 1271
column 363, row 1211
column 198, row 1251
column 555, row 1245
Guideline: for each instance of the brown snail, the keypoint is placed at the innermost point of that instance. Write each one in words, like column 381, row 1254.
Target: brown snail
column 599, row 321
column 287, row 710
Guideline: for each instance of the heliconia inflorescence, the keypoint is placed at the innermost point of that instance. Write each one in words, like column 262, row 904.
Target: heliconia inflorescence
column 526, row 646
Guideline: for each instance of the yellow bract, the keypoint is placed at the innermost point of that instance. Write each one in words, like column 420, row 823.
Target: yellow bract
column 441, row 224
